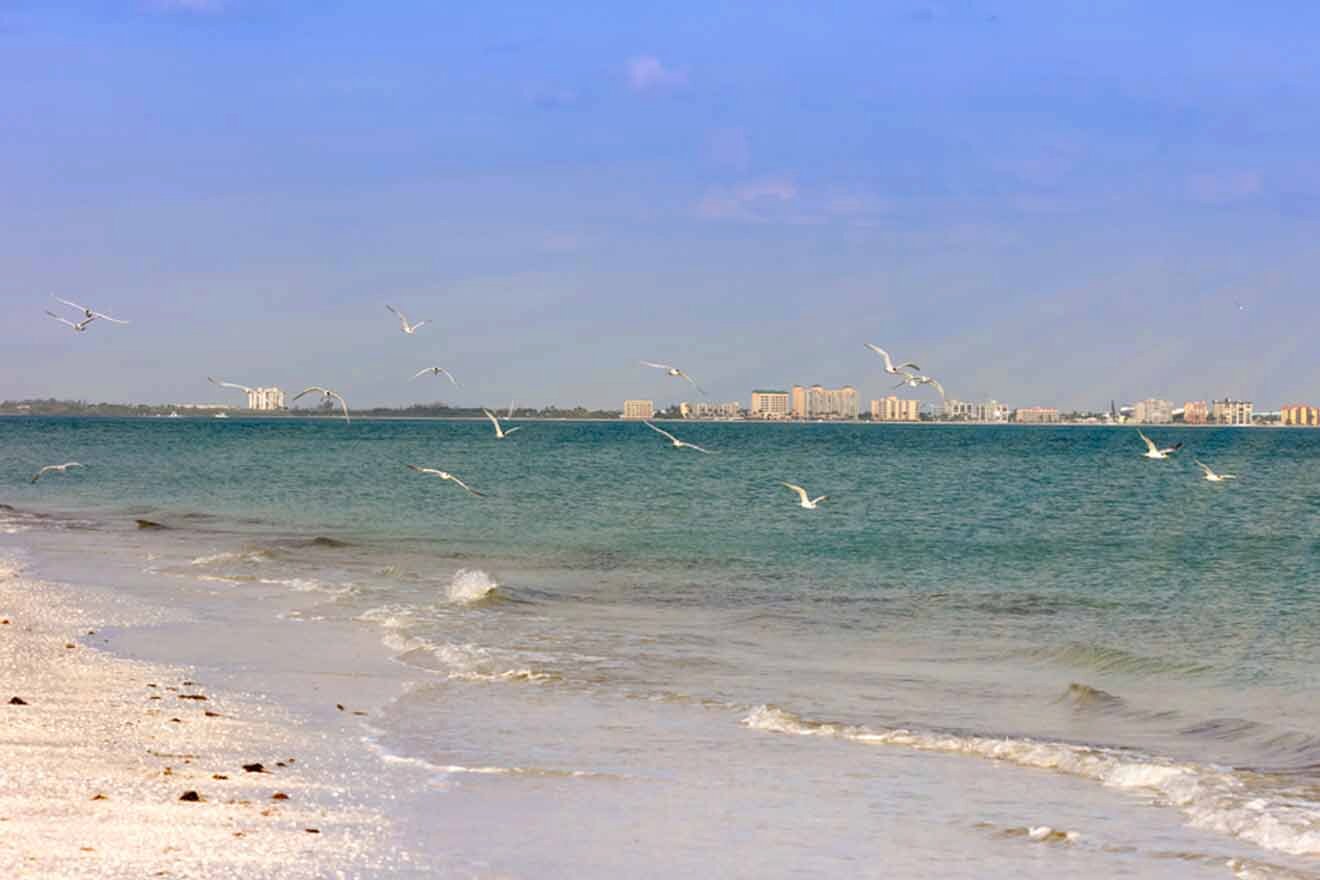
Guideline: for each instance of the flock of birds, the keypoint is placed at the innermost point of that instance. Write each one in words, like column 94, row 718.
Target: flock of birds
column 908, row 372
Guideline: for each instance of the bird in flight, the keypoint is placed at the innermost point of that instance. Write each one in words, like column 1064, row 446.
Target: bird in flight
column 500, row 433
column 673, row 371
column 1155, row 452
column 805, row 501
column 1211, row 475
column 435, row 371
column 677, row 444
column 326, row 395
column 215, row 381
column 80, row 327
column 404, row 325
column 445, row 475
column 61, row 468
column 89, row 313
column 889, row 365
column 913, row 380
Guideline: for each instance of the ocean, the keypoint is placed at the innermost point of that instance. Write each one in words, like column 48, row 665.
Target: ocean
column 991, row 652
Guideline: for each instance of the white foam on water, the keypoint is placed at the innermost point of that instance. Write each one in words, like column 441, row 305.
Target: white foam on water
column 470, row 585
column 233, row 556
column 1252, row 807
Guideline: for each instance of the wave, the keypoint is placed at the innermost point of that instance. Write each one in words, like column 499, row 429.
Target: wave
column 463, row 661
column 1269, row 811
column 1102, row 658
column 470, row 586
column 253, row 556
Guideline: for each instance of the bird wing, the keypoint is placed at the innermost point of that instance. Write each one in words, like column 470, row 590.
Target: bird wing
column 802, row 493
column 403, row 320
column 819, row 499
column 422, row 470
column 889, row 365
column 657, row 366
column 909, row 364
column 316, row 388
column 1203, row 466
column 494, row 421
column 72, row 304
column 659, row 430
column 508, row 431
column 1174, row 448
column 466, row 486
column 342, row 403
column 215, row 381
column 39, row 474
column 61, row 320
column 420, row 323
column 1150, row 444
column 695, row 446
column 938, row 386
column 423, row 371
column 107, row 317
column 449, row 374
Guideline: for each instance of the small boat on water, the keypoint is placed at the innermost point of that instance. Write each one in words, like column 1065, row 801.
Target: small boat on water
column 222, row 415
column 173, row 415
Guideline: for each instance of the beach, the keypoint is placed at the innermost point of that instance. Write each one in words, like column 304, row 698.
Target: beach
column 673, row 669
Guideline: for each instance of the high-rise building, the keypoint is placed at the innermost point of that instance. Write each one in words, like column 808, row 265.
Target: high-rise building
column 769, row 404
column 819, row 402
column 1300, row 414
column 638, row 409
column 894, row 409
column 730, row 410
column 1153, row 411
column 966, row 411
column 1036, row 414
column 265, row 399
column 1231, row 412
column 1196, row 412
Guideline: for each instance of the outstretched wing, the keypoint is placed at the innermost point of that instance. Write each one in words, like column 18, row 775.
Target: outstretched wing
column 61, row 320
column 466, row 486
column 494, row 421
column 889, row 365
column 819, row 499
column 1203, row 466
column 73, row 305
column 659, row 430
column 342, row 403
column 421, row 470
column 106, row 317
column 215, row 381
column 317, row 388
column 802, row 493
column 657, row 366
column 695, row 446
column 1150, row 444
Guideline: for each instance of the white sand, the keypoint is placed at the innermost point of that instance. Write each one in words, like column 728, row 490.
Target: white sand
column 92, row 728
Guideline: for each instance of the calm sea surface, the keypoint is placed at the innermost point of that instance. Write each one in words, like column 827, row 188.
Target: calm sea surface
column 993, row 651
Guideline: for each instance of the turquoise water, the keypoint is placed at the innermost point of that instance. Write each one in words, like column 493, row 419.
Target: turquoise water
column 1045, row 589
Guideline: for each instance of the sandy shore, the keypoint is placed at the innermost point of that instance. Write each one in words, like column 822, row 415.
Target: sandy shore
column 116, row 768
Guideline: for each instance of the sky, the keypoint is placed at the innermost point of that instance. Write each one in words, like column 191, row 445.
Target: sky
column 1052, row 203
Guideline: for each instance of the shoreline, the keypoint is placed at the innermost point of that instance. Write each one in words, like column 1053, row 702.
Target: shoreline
column 102, row 754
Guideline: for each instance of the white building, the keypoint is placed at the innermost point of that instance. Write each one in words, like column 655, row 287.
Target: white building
column 895, row 409
column 731, row 410
column 1153, row 411
column 1231, row 412
column 966, row 411
column 768, row 404
column 265, row 399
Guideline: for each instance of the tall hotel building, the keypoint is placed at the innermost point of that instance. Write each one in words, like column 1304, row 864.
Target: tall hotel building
column 638, row 409
column 1196, row 412
column 819, row 402
column 1299, row 414
column 769, row 405
column 265, row 399
column 894, row 409
column 1231, row 412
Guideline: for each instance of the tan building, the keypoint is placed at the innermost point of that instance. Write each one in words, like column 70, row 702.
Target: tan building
column 638, row 409
column 894, row 409
column 1231, row 412
column 1153, row 412
column 819, row 402
column 1300, row 414
column 769, row 405
column 966, row 411
column 265, row 399
column 730, row 410
column 1036, row 415
column 1196, row 412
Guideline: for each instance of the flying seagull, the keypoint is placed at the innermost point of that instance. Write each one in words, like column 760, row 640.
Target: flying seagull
column 445, row 475
column 808, row 503
column 912, row 380
column 1153, row 451
column 55, row 467
column 327, row 394
column 435, row 371
column 410, row 329
column 1211, row 475
column 215, row 381
column 673, row 371
column 678, row 444
column 500, row 433
column 89, row 313
column 81, row 326
column 889, row 365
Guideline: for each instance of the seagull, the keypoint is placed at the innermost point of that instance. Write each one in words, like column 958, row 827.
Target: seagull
column 889, row 365
column 410, row 329
column 435, row 371
column 55, row 467
column 327, row 395
column 81, row 326
column 1153, row 451
column 673, row 371
column 445, row 475
column 88, row 313
column 913, row 380
column 1211, row 475
column 500, row 433
column 808, row 503
column 678, row 444
column 215, row 381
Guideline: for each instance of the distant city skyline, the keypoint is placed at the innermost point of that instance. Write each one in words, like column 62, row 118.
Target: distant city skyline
column 1057, row 204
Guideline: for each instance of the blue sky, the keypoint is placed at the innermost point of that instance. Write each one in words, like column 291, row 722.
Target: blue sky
column 1045, row 203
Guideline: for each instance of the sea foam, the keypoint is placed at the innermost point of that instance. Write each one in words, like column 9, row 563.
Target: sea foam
column 470, row 585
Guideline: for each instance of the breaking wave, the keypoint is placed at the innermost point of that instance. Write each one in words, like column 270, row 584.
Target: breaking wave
column 1267, row 810
column 471, row 585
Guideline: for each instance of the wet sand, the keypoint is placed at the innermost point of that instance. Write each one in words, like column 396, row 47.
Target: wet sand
column 117, row 768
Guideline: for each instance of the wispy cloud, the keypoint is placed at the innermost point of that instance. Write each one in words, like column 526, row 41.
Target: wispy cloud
column 780, row 199
column 756, row 200
column 646, row 73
